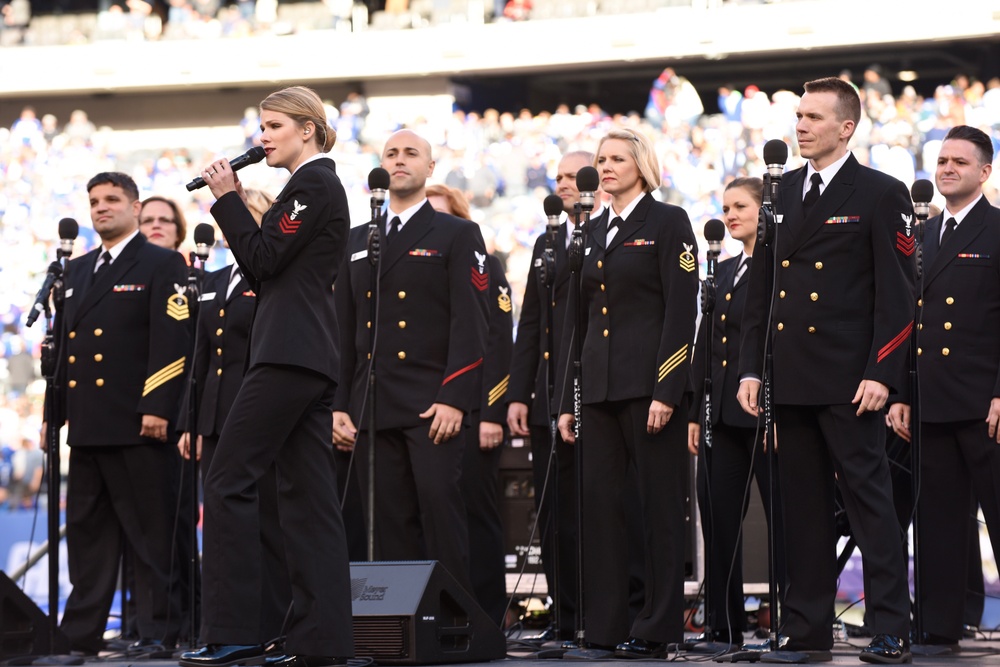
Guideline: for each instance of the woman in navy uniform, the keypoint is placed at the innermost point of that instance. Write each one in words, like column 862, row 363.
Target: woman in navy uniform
column 639, row 295
column 283, row 412
column 737, row 444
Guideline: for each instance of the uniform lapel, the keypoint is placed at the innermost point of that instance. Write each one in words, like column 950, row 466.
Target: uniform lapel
column 629, row 228
column 931, row 245
column 965, row 233
column 414, row 230
column 599, row 230
column 836, row 193
column 102, row 285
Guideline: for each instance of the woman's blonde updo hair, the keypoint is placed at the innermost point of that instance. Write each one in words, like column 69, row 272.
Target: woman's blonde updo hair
column 258, row 202
column 642, row 151
column 303, row 105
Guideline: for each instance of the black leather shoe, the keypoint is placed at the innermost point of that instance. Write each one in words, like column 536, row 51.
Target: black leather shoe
column 223, row 655
column 887, row 650
column 304, row 661
column 637, row 647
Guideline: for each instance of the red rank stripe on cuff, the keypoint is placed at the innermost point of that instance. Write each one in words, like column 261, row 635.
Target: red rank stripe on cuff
column 481, row 281
column 289, row 226
column 893, row 344
column 462, row 371
column 904, row 244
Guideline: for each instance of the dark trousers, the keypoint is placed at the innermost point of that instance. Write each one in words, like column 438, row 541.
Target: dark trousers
column 351, row 507
column 959, row 465
column 557, row 519
column 282, row 416
column 120, row 494
column 821, row 446
column 481, row 493
column 419, row 511
column 276, row 592
column 615, row 437
column 737, row 453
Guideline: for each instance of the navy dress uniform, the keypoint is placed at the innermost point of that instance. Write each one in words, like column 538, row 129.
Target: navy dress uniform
column 431, row 337
column 640, row 298
column 843, row 312
column 282, row 415
column 226, row 307
column 737, row 452
column 529, row 381
column 959, row 372
column 126, row 344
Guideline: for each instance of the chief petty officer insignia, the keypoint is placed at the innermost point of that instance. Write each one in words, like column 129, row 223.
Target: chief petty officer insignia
column 687, row 259
column 480, row 279
column 905, row 243
column 504, row 299
column 177, row 304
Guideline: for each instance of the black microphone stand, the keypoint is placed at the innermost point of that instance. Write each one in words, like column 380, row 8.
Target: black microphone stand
column 52, row 366
column 375, row 261
column 581, row 217
column 196, row 273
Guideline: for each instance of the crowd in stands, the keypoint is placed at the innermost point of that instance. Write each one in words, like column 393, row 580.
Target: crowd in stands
column 504, row 162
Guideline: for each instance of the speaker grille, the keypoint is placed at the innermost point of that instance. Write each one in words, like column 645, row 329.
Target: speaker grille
column 382, row 637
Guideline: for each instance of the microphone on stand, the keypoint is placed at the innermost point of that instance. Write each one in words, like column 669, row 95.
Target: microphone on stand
column 252, row 156
column 204, row 239
column 378, row 183
column 922, row 192
column 715, row 231
column 68, row 230
column 775, row 157
column 587, row 182
column 553, row 210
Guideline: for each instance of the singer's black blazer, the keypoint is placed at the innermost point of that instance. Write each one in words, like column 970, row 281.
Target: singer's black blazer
column 640, row 298
column 726, row 325
column 292, row 261
column 499, row 347
column 529, row 367
column 126, row 343
column 221, row 348
column 843, row 294
column 432, row 300
column 959, row 341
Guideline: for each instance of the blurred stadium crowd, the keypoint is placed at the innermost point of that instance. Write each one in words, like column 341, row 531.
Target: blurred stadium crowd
column 504, row 162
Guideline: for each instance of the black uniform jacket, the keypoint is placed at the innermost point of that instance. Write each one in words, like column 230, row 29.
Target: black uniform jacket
column 433, row 286
column 499, row 347
column 959, row 337
column 843, row 289
column 292, row 261
column 725, row 324
column 221, row 348
column 640, row 295
column 127, row 337
column 529, row 368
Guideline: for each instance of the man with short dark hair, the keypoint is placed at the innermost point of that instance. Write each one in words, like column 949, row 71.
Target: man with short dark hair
column 840, row 325
column 126, row 330
column 959, row 372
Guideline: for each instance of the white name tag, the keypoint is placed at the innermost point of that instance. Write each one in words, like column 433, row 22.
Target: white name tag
column 361, row 254
column 586, row 252
column 69, row 292
column 207, row 296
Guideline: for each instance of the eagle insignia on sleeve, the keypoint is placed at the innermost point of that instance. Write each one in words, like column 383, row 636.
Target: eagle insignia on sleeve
column 905, row 242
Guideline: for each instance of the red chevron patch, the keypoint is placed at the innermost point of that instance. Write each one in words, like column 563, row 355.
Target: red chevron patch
column 481, row 281
column 904, row 244
column 894, row 344
column 289, row 226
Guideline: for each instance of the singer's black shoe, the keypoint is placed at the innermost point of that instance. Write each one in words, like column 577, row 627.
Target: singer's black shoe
column 223, row 655
column 887, row 650
column 636, row 647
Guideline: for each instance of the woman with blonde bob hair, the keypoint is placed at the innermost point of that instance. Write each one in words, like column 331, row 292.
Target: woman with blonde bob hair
column 283, row 413
column 639, row 293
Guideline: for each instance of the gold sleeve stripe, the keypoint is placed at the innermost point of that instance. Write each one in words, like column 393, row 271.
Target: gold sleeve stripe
column 498, row 391
column 675, row 360
column 163, row 375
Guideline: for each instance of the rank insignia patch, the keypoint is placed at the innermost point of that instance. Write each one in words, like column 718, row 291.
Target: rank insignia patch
column 904, row 244
column 177, row 304
column 481, row 281
column 504, row 299
column 288, row 224
column 687, row 259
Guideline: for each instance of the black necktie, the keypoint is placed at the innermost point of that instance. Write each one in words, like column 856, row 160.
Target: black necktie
column 949, row 229
column 103, row 266
column 393, row 230
column 813, row 195
column 613, row 225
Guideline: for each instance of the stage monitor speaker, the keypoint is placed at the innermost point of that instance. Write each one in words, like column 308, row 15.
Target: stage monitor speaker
column 416, row 613
column 24, row 629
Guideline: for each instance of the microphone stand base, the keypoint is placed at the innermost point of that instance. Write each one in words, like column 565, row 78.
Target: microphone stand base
column 709, row 647
column 935, row 649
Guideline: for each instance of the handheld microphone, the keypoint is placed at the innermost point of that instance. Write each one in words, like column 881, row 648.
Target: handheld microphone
column 252, row 156
column 378, row 183
column 553, row 209
column 204, row 239
column 587, row 182
column 68, row 230
column 922, row 192
column 715, row 231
